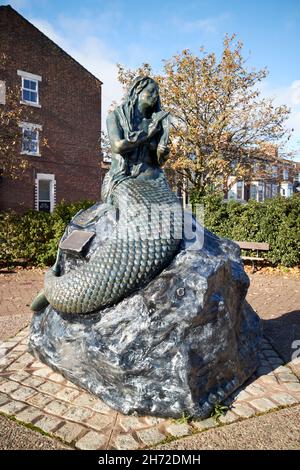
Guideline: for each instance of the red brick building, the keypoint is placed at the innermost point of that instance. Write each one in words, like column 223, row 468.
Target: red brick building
column 65, row 100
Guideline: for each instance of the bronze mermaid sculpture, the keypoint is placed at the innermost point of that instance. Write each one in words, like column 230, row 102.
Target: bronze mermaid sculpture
column 125, row 253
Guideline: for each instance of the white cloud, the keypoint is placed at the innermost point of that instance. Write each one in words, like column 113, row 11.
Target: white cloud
column 25, row 5
column 50, row 32
column 90, row 52
column 94, row 56
column 16, row 4
column 207, row 25
column 295, row 92
column 289, row 96
column 92, row 22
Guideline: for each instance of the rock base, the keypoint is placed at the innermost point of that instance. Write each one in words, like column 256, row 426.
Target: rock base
column 182, row 344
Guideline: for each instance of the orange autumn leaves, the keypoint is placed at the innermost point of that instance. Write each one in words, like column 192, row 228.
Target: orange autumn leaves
column 220, row 122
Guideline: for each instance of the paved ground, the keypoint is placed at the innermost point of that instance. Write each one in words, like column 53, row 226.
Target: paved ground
column 276, row 298
column 17, row 289
column 35, row 396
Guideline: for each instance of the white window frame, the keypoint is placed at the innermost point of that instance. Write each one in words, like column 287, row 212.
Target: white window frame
column 285, row 174
column 231, row 193
column 45, row 177
column 252, row 185
column 34, row 78
column 286, row 189
column 31, row 127
column 2, row 92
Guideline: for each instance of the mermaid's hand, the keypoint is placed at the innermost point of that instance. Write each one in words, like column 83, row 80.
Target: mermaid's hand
column 157, row 119
column 160, row 116
column 153, row 128
column 162, row 154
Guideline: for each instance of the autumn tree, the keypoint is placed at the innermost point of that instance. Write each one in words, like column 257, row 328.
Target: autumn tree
column 11, row 114
column 220, row 124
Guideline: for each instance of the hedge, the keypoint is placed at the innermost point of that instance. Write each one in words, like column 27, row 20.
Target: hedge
column 275, row 221
column 34, row 236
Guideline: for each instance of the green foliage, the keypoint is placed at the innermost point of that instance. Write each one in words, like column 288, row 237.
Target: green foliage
column 33, row 237
column 184, row 419
column 275, row 221
column 219, row 410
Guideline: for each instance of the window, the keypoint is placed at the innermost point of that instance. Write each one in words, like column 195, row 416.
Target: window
column 286, row 189
column 30, row 141
column 268, row 190
column 30, row 138
column 274, row 190
column 45, row 189
column 257, row 191
column 30, row 88
column 2, row 92
column 285, row 174
column 239, row 190
column 253, row 192
column 260, row 192
column 274, row 171
column 44, row 195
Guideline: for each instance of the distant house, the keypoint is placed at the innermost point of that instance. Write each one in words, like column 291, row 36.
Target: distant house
column 281, row 177
column 271, row 176
column 66, row 102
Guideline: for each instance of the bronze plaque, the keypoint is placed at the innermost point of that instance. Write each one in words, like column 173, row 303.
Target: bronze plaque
column 76, row 241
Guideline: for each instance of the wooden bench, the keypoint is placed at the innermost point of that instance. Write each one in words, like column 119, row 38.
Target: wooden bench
column 253, row 246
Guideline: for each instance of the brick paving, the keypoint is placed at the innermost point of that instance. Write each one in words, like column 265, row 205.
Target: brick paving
column 33, row 394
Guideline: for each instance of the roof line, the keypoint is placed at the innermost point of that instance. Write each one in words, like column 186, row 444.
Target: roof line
column 41, row 32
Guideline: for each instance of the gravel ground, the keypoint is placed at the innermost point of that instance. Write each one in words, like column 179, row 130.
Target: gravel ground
column 13, row 436
column 278, row 430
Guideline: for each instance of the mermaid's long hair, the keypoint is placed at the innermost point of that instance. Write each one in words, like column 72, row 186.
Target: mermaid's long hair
column 130, row 101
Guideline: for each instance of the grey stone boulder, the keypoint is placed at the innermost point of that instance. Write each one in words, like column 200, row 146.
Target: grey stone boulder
column 179, row 345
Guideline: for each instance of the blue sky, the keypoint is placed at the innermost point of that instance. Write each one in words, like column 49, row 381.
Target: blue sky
column 100, row 33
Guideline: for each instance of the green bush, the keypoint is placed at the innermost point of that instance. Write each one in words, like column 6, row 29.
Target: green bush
column 275, row 221
column 33, row 237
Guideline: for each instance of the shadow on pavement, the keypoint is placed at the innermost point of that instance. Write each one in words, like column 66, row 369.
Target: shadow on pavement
column 282, row 332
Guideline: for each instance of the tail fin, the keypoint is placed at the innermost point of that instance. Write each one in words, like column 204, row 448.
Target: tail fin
column 39, row 302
